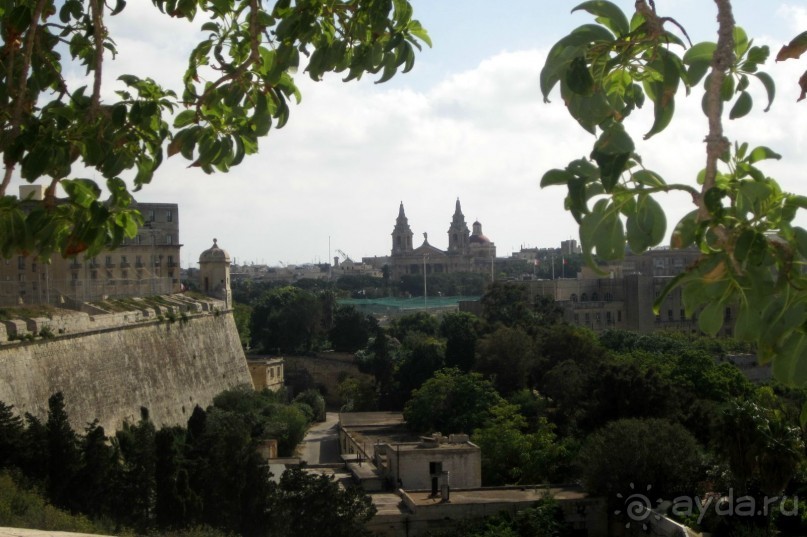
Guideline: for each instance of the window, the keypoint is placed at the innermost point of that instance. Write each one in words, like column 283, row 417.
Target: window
column 169, row 215
column 584, row 297
column 33, row 266
column 669, row 315
column 609, row 297
column 169, row 239
column 597, row 317
column 608, row 317
column 573, row 298
column 619, row 316
column 108, row 260
column 138, row 261
column 21, row 263
column 595, row 297
column 683, row 315
column 125, row 274
column 151, row 215
column 587, row 318
column 728, row 314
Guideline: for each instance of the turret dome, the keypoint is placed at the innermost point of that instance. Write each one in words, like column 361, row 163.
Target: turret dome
column 214, row 254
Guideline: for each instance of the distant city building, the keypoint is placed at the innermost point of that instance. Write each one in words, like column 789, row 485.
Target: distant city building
column 147, row 264
column 468, row 250
column 624, row 295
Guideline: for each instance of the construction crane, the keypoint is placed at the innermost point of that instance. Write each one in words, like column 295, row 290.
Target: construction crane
column 343, row 254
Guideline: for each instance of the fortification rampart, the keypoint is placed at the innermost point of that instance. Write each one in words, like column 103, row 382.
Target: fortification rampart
column 167, row 359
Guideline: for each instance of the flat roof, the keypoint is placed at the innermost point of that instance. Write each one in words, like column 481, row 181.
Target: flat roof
column 498, row 495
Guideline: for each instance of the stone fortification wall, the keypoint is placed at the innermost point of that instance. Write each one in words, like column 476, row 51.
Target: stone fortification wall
column 108, row 367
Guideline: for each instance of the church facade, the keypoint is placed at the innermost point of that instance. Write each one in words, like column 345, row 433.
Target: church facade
column 468, row 250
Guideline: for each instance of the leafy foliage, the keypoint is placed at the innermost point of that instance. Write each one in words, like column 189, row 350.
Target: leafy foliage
column 237, row 86
column 742, row 222
column 451, row 402
column 645, row 452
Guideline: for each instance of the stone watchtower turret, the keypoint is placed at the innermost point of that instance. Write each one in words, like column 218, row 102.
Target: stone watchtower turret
column 214, row 274
column 401, row 234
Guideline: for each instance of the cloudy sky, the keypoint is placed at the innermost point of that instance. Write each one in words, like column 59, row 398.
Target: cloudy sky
column 467, row 122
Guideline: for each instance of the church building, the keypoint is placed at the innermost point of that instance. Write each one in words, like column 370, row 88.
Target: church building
column 468, row 250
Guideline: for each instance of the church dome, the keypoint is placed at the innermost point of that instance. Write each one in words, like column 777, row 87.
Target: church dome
column 477, row 237
column 214, row 254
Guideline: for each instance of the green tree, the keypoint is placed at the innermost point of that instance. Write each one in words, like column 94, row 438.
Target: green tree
column 242, row 315
column 64, row 457
column 759, row 444
column 422, row 322
column 508, row 357
column 315, row 402
column 451, row 402
column 351, row 329
column 357, row 395
column 287, row 319
column 11, row 431
column 92, row 487
column 742, row 221
column 50, row 125
column 461, row 331
column 315, row 504
column 134, row 501
column 641, row 452
column 513, row 455
column 418, row 358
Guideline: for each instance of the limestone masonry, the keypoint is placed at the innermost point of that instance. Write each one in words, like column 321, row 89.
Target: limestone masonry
column 108, row 366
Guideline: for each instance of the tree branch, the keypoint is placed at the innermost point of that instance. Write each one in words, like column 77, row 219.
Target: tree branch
column 716, row 143
column 99, row 33
column 18, row 97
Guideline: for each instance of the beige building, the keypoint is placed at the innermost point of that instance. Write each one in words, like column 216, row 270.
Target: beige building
column 267, row 374
column 147, row 264
column 468, row 251
column 624, row 297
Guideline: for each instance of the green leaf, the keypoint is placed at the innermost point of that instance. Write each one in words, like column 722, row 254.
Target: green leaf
column 647, row 226
column 748, row 325
column 685, row 233
column 710, row 319
column 604, row 231
column 612, row 151
column 742, row 106
column 751, row 246
column 556, row 177
column 185, row 118
column 770, row 87
column 648, row 178
column 663, row 114
column 741, row 43
column 789, row 364
column 607, row 14
column 578, row 77
column 801, row 241
column 762, row 153
column 699, row 53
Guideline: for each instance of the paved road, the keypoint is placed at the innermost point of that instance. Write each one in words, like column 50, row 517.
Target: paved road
column 321, row 443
